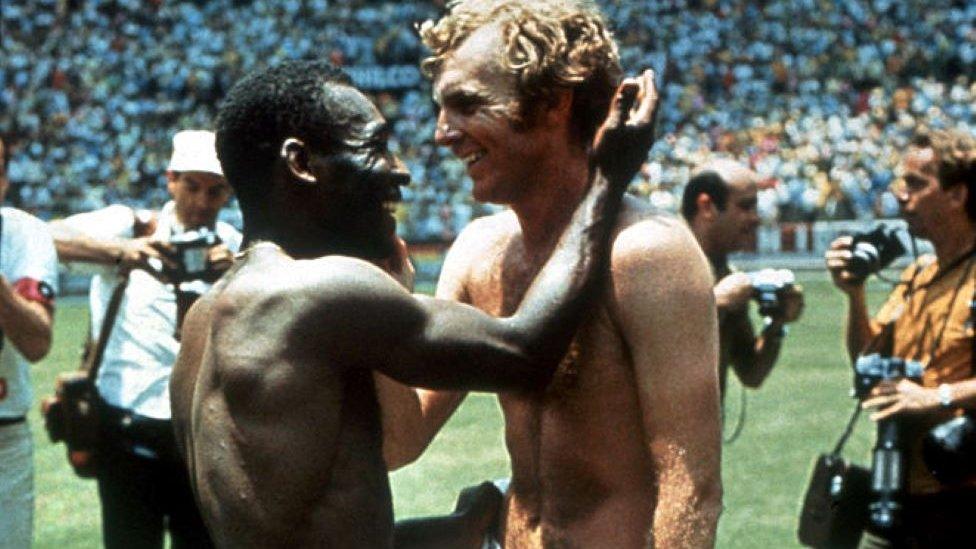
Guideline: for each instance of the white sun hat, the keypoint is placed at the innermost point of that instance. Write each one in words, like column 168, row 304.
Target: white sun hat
column 194, row 151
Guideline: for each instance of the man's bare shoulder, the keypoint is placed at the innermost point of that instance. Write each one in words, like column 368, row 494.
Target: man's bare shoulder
column 651, row 235
column 283, row 275
column 481, row 239
column 486, row 231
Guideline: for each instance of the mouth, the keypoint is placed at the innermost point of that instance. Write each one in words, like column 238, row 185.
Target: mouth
column 391, row 198
column 472, row 158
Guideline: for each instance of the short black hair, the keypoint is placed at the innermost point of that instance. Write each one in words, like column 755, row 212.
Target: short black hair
column 708, row 182
column 266, row 107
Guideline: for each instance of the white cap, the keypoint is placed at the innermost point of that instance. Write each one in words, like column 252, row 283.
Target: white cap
column 194, row 151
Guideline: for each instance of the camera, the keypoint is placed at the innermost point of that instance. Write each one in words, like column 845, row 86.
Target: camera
column 768, row 286
column 949, row 450
column 190, row 250
column 888, row 465
column 874, row 250
column 869, row 370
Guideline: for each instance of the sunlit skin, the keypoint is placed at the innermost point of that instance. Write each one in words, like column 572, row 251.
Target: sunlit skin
column 277, row 400
column 933, row 212
column 920, row 197
column 721, row 231
column 477, row 121
column 645, row 346
column 198, row 196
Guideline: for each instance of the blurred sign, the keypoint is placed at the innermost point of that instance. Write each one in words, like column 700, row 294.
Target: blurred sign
column 384, row 77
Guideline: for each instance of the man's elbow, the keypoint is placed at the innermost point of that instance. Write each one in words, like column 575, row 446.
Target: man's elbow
column 710, row 493
column 400, row 453
column 36, row 348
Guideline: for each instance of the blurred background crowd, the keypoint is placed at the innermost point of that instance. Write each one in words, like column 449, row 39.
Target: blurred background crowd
column 815, row 94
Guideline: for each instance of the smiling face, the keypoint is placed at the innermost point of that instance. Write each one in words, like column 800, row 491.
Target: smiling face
column 357, row 178
column 479, row 120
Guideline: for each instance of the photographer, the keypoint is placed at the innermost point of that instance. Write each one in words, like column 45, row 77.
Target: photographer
column 28, row 275
column 719, row 204
column 142, row 484
column 925, row 319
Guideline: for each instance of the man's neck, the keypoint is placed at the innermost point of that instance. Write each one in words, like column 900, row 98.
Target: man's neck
column 718, row 258
column 953, row 244
column 549, row 202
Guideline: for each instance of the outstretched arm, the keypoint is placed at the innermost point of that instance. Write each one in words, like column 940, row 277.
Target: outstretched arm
column 439, row 344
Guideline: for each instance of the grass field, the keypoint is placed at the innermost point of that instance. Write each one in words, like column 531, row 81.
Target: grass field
column 797, row 414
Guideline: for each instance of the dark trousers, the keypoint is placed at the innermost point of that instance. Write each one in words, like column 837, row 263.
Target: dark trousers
column 144, row 487
column 937, row 521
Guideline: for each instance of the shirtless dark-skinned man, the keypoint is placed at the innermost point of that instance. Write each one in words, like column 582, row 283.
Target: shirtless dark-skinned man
column 274, row 399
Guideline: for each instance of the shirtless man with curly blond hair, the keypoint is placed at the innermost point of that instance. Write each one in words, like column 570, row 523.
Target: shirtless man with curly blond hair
column 622, row 448
column 276, row 406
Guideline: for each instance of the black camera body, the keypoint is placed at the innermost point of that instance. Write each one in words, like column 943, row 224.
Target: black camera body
column 768, row 286
column 949, row 450
column 874, row 250
column 190, row 251
column 869, row 370
column 888, row 464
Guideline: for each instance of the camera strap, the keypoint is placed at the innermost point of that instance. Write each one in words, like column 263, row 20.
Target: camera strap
column 848, row 429
column 94, row 359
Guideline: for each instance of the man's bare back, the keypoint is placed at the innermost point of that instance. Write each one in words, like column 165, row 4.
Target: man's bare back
column 273, row 395
column 583, row 470
column 284, row 440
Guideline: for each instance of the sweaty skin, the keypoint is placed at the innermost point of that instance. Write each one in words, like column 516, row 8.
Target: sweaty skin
column 622, row 449
column 274, row 399
column 625, row 439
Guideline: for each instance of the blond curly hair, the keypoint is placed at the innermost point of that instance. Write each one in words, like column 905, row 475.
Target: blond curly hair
column 955, row 153
column 549, row 45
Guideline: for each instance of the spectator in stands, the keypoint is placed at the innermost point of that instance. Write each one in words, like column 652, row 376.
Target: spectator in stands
column 28, row 277
column 822, row 84
column 719, row 204
column 142, row 483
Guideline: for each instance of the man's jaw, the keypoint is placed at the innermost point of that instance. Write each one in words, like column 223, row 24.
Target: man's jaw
column 472, row 158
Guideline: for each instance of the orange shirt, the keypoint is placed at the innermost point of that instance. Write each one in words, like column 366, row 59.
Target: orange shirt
column 932, row 325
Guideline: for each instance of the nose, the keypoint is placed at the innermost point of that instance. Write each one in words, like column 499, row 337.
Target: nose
column 400, row 173
column 900, row 190
column 446, row 133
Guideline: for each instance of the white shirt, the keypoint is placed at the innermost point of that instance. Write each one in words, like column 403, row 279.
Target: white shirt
column 141, row 350
column 26, row 251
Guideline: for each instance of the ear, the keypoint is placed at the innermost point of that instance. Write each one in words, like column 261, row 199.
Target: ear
column 705, row 207
column 295, row 155
column 958, row 195
column 560, row 109
column 171, row 180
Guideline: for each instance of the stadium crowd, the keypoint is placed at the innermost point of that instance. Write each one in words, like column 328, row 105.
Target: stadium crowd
column 815, row 94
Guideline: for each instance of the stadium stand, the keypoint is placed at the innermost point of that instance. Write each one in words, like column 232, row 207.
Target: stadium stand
column 815, row 94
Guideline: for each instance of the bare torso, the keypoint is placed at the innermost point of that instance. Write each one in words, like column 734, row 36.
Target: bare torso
column 285, row 450
column 581, row 474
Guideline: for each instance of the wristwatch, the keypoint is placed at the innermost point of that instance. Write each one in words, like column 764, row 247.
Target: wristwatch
column 945, row 395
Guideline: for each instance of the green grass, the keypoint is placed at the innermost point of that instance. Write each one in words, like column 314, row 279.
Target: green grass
column 798, row 413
